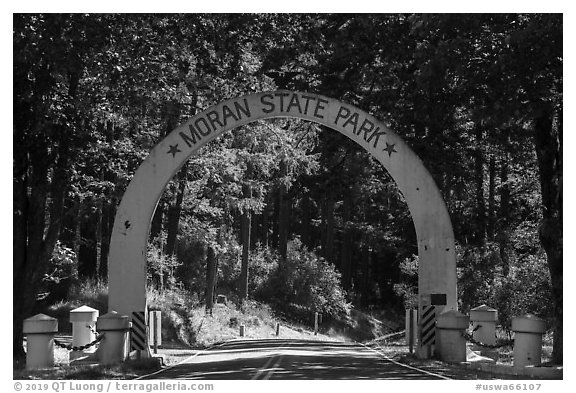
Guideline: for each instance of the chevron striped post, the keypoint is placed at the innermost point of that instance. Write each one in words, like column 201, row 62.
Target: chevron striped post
column 428, row 330
column 138, row 339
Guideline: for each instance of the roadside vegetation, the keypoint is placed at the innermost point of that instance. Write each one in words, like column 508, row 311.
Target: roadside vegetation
column 289, row 294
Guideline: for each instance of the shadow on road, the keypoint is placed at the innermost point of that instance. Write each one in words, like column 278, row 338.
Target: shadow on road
column 288, row 359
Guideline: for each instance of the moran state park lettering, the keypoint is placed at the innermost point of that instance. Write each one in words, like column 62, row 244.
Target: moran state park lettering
column 353, row 121
column 283, row 103
column 210, row 121
column 295, row 104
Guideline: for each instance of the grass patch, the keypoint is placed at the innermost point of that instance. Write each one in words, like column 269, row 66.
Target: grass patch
column 127, row 370
column 176, row 307
column 89, row 293
column 224, row 322
column 185, row 323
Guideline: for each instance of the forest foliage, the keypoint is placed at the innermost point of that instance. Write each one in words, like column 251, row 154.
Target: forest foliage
column 286, row 210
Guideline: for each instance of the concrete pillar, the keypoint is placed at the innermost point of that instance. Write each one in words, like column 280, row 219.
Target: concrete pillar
column 484, row 320
column 83, row 321
column 114, row 347
column 450, row 340
column 39, row 331
column 528, row 331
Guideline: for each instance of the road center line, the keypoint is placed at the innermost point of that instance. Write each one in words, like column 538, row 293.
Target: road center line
column 264, row 368
column 274, row 367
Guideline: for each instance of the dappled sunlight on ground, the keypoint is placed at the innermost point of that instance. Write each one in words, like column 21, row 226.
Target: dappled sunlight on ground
column 289, row 359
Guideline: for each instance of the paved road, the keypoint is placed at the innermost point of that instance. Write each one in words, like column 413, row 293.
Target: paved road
column 289, row 359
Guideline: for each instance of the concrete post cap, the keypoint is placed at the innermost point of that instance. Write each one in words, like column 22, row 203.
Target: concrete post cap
column 112, row 321
column 84, row 314
column 528, row 324
column 483, row 313
column 452, row 320
column 39, row 324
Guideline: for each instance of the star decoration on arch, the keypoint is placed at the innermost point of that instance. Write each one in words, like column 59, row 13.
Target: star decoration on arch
column 173, row 150
column 390, row 149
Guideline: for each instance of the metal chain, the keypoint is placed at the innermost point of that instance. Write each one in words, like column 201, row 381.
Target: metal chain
column 471, row 339
column 81, row 347
column 94, row 332
column 386, row 337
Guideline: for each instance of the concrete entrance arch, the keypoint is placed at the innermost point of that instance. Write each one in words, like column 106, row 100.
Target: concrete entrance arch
column 127, row 257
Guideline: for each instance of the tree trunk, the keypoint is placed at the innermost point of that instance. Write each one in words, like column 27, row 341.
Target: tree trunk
column 215, row 277
column 274, row 219
column 38, row 218
column 174, row 213
column 245, row 255
column 246, row 227
column 548, row 143
column 107, row 209
column 491, row 198
column 87, row 250
column 210, row 278
column 305, row 227
column 480, row 234
column 366, row 256
column 70, row 235
column 105, row 241
column 20, row 215
column 265, row 239
column 98, row 238
column 283, row 215
column 77, row 238
column 35, row 234
column 328, row 241
column 347, row 243
column 503, row 236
